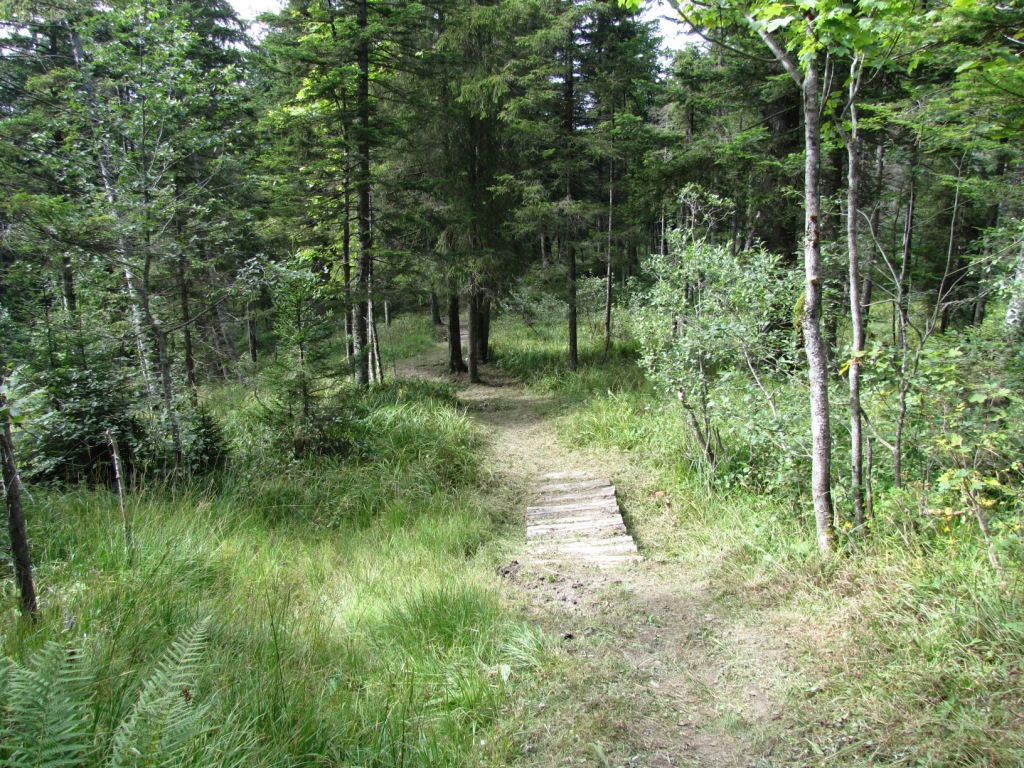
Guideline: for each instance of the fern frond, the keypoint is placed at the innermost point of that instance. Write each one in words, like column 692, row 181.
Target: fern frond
column 47, row 713
column 165, row 718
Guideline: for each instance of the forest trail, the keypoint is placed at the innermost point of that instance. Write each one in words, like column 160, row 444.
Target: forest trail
column 656, row 671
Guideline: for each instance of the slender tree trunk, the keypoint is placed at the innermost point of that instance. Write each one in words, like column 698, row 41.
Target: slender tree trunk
column 995, row 212
column 141, row 289
column 20, row 552
column 376, row 361
column 346, row 268
column 222, row 327
column 138, row 326
column 663, row 240
column 485, row 330
column 817, row 361
column 362, row 278
column 455, row 362
column 570, row 261
column 949, row 279
column 186, row 329
column 435, row 309
column 115, row 460
column 568, row 130
column 167, row 389
column 868, row 284
column 869, row 494
column 902, row 317
column 473, row 321
column 67, row 286
column 856, row 320
column 608, row 271
column 834, row 302
column 1014, row 322
column 250, row 328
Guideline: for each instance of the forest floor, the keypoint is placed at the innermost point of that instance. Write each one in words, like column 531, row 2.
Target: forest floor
column 656, row 665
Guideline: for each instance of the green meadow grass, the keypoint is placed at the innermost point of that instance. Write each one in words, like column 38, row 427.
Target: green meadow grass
column 351, row 619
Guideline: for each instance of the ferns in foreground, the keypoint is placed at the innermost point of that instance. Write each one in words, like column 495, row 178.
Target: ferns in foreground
column 46, row 710
column 47, row 713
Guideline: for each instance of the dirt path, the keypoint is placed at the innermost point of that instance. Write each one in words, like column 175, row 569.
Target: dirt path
column 655, row 670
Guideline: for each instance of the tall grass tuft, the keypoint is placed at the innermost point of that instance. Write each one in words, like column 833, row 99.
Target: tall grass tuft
column 345, row 617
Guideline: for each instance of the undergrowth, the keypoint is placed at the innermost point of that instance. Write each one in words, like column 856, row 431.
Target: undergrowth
column 349, row 615
column 911, row 643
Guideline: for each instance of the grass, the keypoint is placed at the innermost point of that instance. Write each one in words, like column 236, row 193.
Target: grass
column 354, row 616
column 536, row 355
column 407, row 336
column 909, row 647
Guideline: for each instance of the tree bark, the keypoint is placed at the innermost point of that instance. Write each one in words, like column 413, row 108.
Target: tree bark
column 435, row 309
column 473, row 321
column 222, row 330
column 141, row 288
column 1014, row 322
column 362, row 278
column 568, row 129
column 67, row 286
column 376, row 361
column 115, row 459
column 186, row 330
column 949, row 279
column 20, row 552
column 485, row 330
column 570, row 261
column 902, row 317
column 867, row 286
column 817, row 361
column 856, row 319
column 608, row 270
column 455, row 362
column 346, row 270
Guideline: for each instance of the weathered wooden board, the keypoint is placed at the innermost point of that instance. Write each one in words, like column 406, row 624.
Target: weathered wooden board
column 576, row 515
column 575, row 486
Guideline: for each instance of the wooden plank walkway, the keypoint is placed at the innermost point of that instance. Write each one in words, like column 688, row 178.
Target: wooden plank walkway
column 576, row 515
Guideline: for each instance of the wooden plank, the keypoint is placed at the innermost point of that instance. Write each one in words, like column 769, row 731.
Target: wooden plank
column 596, row 560
column 576, row 515
column 596, row 516
column 615, row 541
column 580, row 485
column 586, row 506
column 583, row 549
column 572, row 474
column 604, row 492
column 581, row 521
column 585, row 526
column 542, row 518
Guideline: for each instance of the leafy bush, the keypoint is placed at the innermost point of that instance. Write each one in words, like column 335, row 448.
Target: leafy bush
column 711, row 338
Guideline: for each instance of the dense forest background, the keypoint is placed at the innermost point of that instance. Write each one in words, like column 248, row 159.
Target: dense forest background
column 805, row 230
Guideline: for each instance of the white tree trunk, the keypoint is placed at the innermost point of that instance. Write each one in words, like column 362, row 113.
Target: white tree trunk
column 817, row 362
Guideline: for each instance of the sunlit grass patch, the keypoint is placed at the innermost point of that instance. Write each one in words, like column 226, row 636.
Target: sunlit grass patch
column 350, row 619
